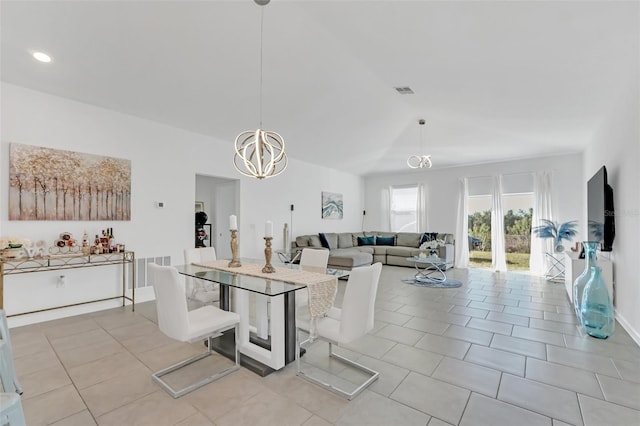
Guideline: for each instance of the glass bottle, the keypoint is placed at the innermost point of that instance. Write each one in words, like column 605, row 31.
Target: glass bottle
column 581, row 281
column 597, row 317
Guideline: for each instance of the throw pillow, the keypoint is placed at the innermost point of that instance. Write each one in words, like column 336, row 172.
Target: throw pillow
column 425, row 238
column 384, row 241
column 323, row 241
column 366, row 241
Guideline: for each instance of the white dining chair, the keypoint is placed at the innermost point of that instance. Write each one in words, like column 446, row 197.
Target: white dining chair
column 11, row 412
column 177, row 322
column 342, row 326
column 201, row 291
column 314, row 260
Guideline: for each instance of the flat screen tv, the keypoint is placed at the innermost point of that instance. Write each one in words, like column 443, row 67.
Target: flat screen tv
column 600, row 211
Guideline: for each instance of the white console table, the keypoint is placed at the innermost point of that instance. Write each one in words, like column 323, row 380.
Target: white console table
column 574, row 266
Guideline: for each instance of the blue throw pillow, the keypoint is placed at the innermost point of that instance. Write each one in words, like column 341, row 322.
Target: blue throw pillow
column 324, row 242
column 384, row 241
column 424, row 238
column 366, row 241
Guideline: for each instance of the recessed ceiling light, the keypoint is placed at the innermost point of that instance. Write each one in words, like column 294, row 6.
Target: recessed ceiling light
column 42, row 57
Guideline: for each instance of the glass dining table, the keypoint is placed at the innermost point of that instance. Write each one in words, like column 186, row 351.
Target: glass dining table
column 261, row 355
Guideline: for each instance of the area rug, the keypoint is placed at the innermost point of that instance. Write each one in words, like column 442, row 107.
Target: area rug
column 448, row 283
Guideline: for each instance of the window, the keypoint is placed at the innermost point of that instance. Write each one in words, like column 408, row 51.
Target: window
column 403, row 212
column 479, row 208
column 518, row 210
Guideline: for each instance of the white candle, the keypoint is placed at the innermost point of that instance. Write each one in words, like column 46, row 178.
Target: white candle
column 268, row 229
column 233, row 222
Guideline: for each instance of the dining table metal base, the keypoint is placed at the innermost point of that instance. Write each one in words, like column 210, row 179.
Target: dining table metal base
column 225, row 344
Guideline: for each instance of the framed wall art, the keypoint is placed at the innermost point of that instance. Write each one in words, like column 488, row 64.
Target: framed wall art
column 51, row 184
column 331, row 205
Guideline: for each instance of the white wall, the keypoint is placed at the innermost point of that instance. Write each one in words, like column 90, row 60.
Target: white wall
column 442, row 189
column 164, row 162
column 617, row 146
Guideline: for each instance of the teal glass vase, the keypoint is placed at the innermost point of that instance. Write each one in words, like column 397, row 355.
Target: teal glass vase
column 590, row 248
column 596, row 310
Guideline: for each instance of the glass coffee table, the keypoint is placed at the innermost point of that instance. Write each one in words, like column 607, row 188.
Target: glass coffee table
column 429, row 269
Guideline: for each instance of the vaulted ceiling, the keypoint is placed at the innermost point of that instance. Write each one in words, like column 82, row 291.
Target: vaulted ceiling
column 494, row 80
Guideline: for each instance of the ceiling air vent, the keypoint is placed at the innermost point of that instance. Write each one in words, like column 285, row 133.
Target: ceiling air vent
column 405, row 90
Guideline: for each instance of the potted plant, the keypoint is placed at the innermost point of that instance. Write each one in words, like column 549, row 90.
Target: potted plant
column 559, row 232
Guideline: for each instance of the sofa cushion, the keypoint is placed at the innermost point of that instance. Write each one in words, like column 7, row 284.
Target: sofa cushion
column 386, row 234
column 332, row 239
column 402, row 251
column 302, row 241
column 354, row 237
column 314, row 241
column 349, row 258
column 345, row 240
column 408, row 239
column 366, row 241
column 385, row 241
column 380, row 250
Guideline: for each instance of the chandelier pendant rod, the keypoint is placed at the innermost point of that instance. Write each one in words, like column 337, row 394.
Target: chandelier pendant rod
column 261, row 66
column 260, row 153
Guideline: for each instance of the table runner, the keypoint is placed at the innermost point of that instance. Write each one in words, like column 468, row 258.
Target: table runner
column 322, row 288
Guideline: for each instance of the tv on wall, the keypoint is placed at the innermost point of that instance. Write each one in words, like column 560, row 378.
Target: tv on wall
column 600, row 211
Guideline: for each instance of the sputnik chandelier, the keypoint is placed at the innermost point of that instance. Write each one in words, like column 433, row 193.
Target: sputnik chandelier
column 420, row 161
column 260, row 153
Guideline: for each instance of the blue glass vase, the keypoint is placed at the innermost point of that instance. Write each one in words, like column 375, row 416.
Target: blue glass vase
column 581, row 281
column 596, row 310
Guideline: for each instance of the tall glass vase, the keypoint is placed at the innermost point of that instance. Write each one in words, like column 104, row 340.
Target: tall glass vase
column 597, row 307
column 581, row 281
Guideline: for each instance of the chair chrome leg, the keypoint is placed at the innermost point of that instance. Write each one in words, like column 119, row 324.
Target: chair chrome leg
column 348, row 395
column 180, row 392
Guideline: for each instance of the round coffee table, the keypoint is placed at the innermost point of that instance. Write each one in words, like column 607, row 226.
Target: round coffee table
column 432, row 268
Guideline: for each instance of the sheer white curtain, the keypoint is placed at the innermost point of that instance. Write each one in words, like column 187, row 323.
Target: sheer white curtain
column 499, row 262
column 385, row 204
column 541, row 210
column 422, row 217
column 462, row 226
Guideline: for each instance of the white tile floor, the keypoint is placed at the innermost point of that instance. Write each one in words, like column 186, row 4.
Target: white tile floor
column 501, row 350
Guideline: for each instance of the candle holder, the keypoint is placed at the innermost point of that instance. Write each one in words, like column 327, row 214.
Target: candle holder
column 268, row 269
column 235, row 263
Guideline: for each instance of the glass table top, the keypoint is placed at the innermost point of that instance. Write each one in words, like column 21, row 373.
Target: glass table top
column 246, row 282
column 250, row 283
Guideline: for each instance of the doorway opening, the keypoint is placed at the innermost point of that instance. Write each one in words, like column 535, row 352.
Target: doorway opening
column 218, row 198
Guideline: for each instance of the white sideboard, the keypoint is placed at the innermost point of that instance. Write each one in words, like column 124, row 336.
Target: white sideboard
column 574, row 266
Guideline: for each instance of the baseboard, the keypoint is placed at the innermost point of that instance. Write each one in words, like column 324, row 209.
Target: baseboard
column 628, row 327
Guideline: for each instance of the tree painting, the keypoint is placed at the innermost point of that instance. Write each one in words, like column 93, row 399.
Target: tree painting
column 50, row 184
